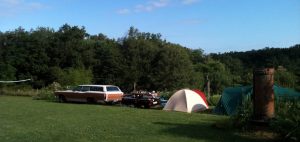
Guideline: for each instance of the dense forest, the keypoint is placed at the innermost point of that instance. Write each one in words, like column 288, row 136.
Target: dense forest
column 71, row 56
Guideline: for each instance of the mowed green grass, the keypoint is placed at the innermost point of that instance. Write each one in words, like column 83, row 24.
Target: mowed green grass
column 25, row 120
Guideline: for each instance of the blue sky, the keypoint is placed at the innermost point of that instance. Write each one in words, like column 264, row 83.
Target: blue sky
column 212, row 25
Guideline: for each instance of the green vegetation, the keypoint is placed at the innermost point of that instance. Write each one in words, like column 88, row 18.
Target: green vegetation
column 213, row 100
column 71, row 56
column 244, row 114
column 23, row 119
column 18, row 90
column 46, row 93
column 285, row 60
column 287, row 121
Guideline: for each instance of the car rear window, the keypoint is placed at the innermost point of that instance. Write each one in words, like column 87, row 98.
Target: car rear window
column 96, row 89
column 111, row 88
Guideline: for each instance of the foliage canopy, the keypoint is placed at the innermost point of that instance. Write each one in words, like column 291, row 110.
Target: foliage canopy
column 72, row 56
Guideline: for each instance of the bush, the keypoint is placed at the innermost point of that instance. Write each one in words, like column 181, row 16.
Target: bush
column 45, row 94
column 213, row 100
column 48, row 92
column 165, row 94
column 244, row 114
column 287, row 120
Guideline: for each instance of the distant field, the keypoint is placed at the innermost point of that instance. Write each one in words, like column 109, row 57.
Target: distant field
column 23, row 119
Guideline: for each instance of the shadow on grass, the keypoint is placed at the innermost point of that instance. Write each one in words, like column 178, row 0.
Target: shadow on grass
column 205, row 131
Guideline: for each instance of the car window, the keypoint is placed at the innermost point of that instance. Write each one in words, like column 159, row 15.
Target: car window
column 112, row 88
column 96, row 89
column 85, row 88
column 78, row 88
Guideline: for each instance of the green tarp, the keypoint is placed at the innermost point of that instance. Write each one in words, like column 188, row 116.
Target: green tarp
column 232, row 98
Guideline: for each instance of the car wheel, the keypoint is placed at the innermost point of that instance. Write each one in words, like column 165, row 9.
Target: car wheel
column 90, row 100
column 109, row 103
column 146, row 106
column 61, row 99
column 137, row 105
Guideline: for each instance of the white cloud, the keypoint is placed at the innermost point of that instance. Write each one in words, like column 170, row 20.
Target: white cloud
column 123, row 11
column 188, row 2
column 13, row 7
column 159, row 3
column 151, row 5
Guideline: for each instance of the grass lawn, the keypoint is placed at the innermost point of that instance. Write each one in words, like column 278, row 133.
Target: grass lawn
column 23, row 119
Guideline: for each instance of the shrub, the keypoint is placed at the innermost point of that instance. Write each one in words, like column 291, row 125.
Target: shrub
column 45, row 94
column 165, row 94
column 244, row 114
column 213, row 100
column 287, row 120
column 48, row 92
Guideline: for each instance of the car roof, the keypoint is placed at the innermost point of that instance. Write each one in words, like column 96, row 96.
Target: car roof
column 99, row 85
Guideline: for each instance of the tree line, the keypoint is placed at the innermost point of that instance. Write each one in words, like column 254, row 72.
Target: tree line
column 71, row 56
column 286, row 61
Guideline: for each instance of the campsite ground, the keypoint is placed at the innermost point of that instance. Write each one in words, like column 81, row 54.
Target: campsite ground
column 23, row 119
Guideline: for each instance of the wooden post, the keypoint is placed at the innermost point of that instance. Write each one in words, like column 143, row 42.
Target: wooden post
column 207, row 86
column 134, row 87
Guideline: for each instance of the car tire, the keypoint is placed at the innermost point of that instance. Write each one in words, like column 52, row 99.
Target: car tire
column 90, row 100
column 61, row 99
column 109, row 103
column 146, row 106
column 137, row 105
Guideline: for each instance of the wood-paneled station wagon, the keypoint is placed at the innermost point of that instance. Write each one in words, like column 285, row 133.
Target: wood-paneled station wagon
column 91, row 94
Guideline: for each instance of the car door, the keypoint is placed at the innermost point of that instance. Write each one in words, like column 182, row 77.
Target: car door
column 72, row 95
column 82, row 95
column 97, row 93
